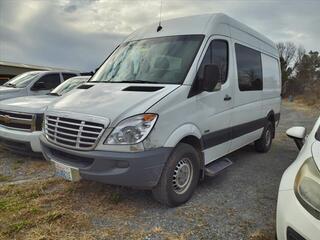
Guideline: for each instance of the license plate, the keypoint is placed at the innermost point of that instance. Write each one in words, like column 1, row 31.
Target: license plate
column 66, row 172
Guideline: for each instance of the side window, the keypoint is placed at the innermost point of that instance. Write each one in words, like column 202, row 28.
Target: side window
column 68, row 75
column 48, row 82
column 217, row 54
column 249, row 68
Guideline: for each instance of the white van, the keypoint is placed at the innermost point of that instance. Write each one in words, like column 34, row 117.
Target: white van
column 33, row 83
column 167, row 106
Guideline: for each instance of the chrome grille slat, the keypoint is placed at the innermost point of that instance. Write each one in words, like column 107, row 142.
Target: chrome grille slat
column 17, row 120
column 71, row 129
column 73, row 133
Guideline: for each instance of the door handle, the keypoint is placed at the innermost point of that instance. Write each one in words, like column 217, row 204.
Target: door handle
column 227, row 98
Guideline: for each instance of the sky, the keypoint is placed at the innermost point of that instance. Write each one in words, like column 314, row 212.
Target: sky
column 79, row 34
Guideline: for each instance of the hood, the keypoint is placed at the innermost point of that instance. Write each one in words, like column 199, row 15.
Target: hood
column 7, row 92
column 113, row 101
column 29, row 104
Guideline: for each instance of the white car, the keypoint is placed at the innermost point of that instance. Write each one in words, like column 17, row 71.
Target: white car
column 165, row 108
column 33, row 83
column 21, row 118
column 298, row 210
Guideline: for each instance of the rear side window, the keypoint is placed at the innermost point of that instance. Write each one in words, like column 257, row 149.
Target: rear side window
column 249, row 68
column 216, row 54
column 68, row 75
column 50, row 81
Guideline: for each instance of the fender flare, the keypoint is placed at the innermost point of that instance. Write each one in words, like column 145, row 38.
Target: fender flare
column 181, row 132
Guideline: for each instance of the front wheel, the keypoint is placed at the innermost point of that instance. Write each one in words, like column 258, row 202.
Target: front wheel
column 263, row 145
column 179, row 177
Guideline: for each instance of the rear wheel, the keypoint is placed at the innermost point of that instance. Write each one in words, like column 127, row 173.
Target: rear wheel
column 179, row 177
column 263, row 145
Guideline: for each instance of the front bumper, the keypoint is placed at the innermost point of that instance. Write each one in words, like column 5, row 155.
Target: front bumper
column 20, row 141
column 291, row 215
column 135, row 169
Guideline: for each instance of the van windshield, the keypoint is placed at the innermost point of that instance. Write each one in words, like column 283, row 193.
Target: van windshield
column 21, row 80
column 164, row 60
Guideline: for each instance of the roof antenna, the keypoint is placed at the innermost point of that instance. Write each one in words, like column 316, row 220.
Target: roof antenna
column 160, row 27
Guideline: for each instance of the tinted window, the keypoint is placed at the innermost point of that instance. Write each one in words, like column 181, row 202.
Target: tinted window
column 216, row 54
column 68, row 75
column 50, row 81
column 249, row 68
column 318, row 134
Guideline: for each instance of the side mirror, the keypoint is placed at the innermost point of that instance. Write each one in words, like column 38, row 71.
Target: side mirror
column 298, row 134
column 38, row 86
column 211, row 77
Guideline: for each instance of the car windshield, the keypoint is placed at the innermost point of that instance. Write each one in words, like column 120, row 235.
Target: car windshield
column 164, row 60
column 68, row 85
column 21, row 80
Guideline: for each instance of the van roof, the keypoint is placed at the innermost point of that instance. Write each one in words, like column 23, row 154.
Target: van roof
column 207, row 24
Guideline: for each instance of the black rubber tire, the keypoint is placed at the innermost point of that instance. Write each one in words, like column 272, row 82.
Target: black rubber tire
column 164, row 192
column 263, row 145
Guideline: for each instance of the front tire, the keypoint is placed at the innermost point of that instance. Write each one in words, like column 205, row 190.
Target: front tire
column 263, row 145
column 179, row 177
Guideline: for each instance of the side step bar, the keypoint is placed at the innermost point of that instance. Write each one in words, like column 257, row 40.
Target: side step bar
column 217, row 166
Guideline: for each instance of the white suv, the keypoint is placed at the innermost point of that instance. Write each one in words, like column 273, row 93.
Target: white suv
column 21, row 118
column 33, row 83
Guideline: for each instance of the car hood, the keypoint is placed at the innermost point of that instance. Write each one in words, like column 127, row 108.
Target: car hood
column 29, row 104
column 113, row 101
column 6, row 92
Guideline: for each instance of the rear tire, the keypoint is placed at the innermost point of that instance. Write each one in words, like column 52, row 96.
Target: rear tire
column 263, row 145
column 179, row 177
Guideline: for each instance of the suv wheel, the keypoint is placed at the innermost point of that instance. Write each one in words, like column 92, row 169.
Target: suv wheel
column 263, row 145
column 179, row 177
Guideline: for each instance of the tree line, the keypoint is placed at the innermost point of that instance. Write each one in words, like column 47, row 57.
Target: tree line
column 300, row 71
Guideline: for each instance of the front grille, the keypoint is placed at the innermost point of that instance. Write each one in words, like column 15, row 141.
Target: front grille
column 72, row 133
column 16, row 120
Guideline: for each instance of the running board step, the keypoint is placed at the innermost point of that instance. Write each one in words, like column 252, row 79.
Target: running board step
column 217, row 166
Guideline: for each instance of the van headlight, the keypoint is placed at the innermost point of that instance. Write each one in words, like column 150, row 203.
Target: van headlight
column 132, row 130
column 307, row 187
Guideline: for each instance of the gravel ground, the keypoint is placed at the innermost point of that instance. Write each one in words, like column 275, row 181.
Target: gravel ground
column 240, row 203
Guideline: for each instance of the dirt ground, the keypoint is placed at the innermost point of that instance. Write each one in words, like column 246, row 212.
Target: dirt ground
column 240, row 203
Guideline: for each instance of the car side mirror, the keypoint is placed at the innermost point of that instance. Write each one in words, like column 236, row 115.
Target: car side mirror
column 211, row 77
column 298, row 134
column 38, row 86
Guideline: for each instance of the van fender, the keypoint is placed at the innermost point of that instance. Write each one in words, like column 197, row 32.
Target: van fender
column 181, row 132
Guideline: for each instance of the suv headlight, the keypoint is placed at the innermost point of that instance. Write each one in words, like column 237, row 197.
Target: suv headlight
column 132, row 130
column 307, row 187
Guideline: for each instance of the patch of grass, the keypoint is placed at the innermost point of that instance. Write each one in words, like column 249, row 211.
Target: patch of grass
column 17, row 227
column 53, row 216
column 4, row 178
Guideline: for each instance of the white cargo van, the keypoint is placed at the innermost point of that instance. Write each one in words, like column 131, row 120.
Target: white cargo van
column 167, row 106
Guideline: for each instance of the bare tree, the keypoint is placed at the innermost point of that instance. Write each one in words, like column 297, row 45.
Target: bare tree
column 287, row 51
